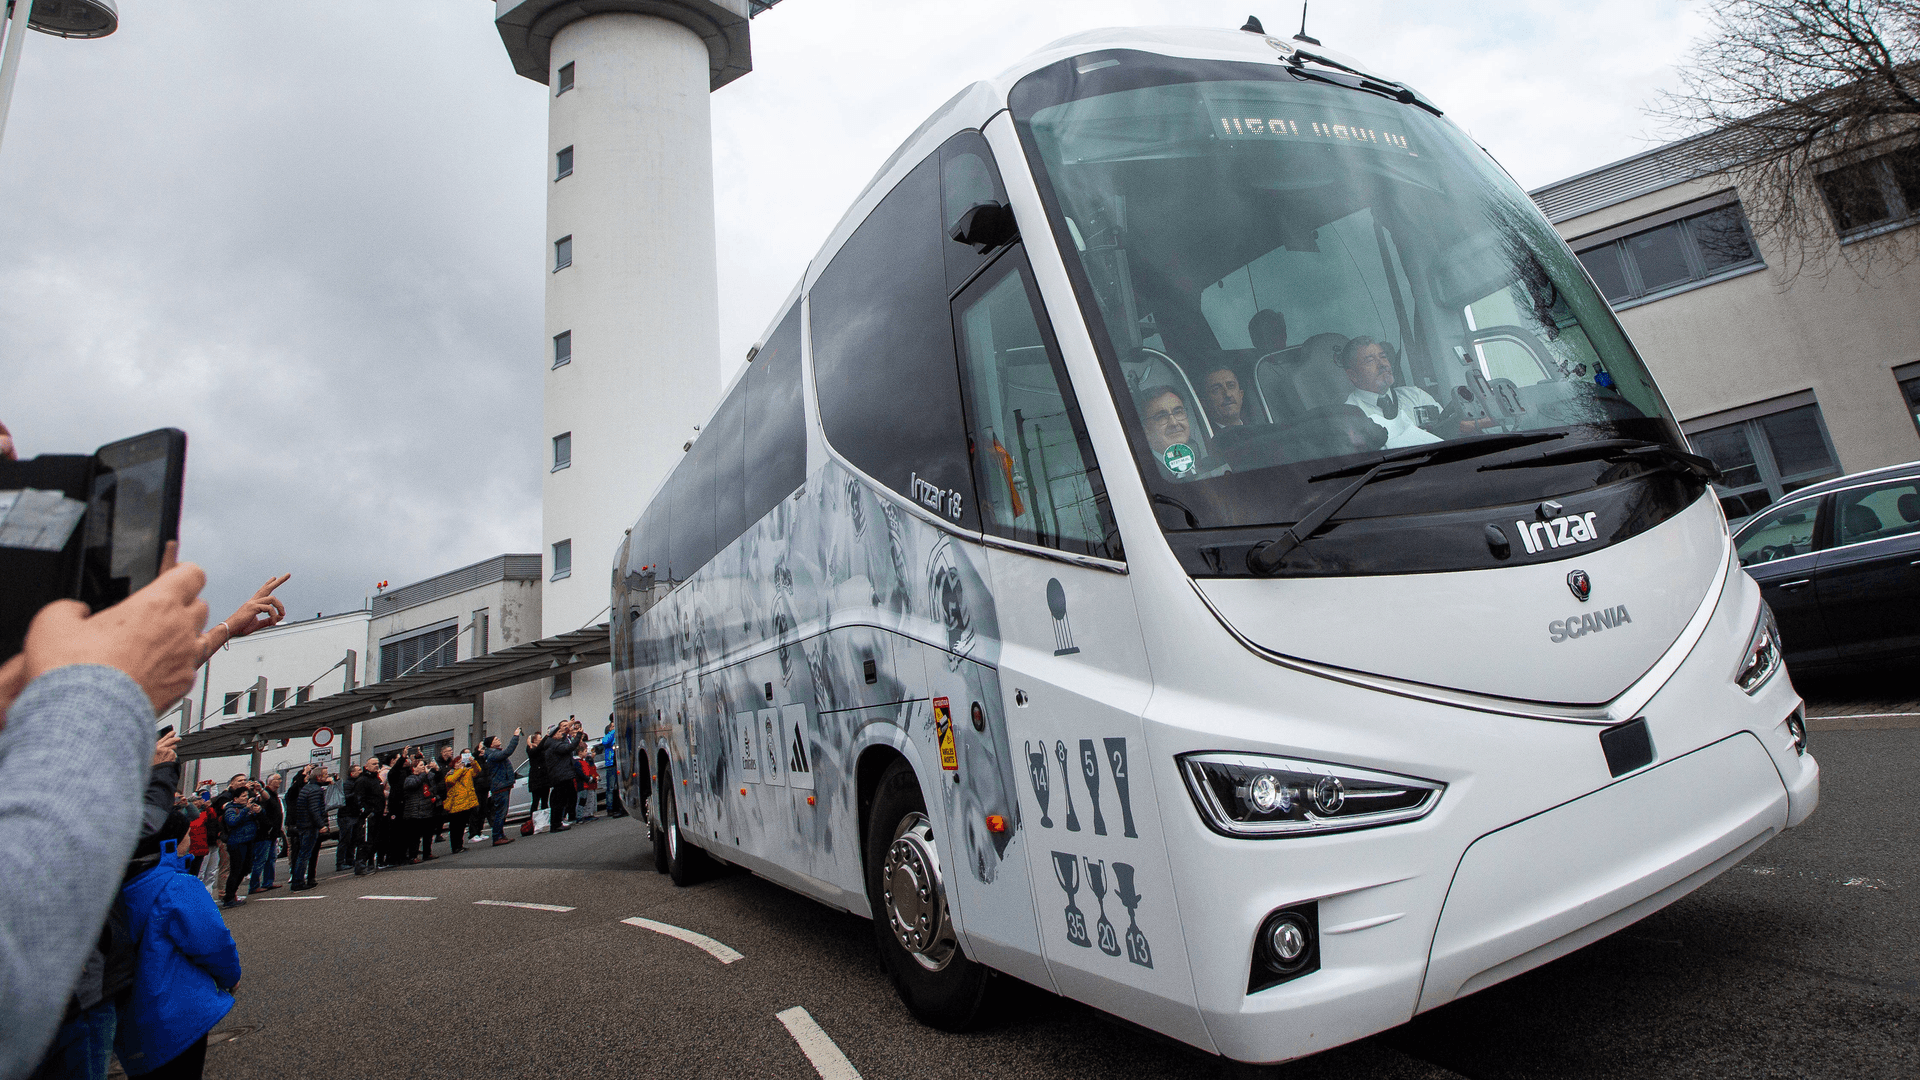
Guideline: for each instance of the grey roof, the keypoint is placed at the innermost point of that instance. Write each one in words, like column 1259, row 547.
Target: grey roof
column 1628, row 178
column 498, row 568
column 454, row 684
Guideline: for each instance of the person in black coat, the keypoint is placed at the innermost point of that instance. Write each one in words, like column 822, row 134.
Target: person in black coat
column 270, row 830
column 559, row 747
column 367, row 795
column 397, row 838
column 309, row 821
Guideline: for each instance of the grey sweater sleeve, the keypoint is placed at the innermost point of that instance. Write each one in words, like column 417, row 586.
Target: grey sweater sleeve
column 63, row 845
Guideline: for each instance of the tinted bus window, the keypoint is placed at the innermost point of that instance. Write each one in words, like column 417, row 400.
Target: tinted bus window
column 691, row 490
column 776, row 421
column 967, row 179
column 726, row 432
column 883, row 353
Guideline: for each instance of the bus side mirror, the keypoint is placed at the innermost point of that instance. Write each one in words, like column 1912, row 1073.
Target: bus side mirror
column 985, row 226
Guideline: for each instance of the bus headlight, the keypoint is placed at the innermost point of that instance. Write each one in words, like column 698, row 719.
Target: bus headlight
column 1762, row 658
column 1254, row 795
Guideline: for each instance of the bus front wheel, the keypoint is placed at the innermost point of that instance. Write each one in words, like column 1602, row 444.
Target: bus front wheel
column 911, row 922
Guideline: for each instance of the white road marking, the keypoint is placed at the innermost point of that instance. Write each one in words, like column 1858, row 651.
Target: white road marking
column 719, row 952
column 271, row 899
column 376, row 897
column 516, row 903
column 819, row 1047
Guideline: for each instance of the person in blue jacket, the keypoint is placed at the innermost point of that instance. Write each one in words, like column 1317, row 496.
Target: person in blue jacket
column 187, row 970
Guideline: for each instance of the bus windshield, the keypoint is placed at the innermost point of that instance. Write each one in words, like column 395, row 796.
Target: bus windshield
column 1282, row 273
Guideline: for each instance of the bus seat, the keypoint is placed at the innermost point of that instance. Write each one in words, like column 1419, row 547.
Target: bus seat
column 1150, row 367
column 1276, row 397
column 1315, row 377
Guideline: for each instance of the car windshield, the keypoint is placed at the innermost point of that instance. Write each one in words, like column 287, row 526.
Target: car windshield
column 1282, row 273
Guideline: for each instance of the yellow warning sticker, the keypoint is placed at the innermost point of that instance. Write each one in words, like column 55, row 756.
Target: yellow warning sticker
column 943, row 726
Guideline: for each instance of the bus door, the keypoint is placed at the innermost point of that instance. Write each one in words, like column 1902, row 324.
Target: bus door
column 1073, row 673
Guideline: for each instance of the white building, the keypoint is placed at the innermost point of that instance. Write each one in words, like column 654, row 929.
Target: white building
column 286, row 665
column 632, row 321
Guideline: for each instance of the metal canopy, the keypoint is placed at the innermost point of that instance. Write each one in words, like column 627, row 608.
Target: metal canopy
column 454, row 684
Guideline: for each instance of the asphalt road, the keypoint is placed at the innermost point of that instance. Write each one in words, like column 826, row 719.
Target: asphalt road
column 1803, row 961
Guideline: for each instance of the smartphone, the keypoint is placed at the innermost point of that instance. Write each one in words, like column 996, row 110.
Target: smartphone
column 89, row 527
column 164, row 732
column 133, row 511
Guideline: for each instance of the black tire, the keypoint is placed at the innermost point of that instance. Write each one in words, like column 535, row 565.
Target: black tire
column 686, row 864
column 950, row 996
column 658, row 838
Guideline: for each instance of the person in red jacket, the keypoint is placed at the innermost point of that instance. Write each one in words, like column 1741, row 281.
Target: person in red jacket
column 196, row 833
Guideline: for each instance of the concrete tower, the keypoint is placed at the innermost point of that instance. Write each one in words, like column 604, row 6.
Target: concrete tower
column 632, row 324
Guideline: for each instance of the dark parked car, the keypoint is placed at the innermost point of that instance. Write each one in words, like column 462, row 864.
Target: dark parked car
column 1839, row 563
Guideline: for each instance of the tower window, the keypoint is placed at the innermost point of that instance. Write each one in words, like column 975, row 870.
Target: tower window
column 563, row 163
column 562, row 560
column 566, row 78
column 563, row 253
column 562, row 450
column 563, row 348
column 562, row 685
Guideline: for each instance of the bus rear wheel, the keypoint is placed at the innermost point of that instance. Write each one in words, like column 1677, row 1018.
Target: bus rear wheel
column 911, row 923
column 686, row 863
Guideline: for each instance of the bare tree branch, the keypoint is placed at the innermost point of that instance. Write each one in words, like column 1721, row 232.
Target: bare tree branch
column 1784, row 94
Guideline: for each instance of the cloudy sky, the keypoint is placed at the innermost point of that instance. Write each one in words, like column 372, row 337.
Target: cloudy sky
column 311, row 233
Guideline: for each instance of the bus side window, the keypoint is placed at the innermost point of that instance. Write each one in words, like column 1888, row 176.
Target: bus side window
column 1033, row 465
column 883, row 353
column 967, row 179
column 776, row 434
column 690, row 543
column 727, row 434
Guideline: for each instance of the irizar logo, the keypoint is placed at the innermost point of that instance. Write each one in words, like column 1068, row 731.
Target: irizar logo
column 1604, row 619
column 1559, row 532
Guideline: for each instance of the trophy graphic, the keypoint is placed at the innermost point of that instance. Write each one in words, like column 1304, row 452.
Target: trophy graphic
column 1060, row 755
column 1097, row 881
column 1137, row 949
column 1037, row 772
column 1090, row 768
column 1066, row 870
column 1117, row 759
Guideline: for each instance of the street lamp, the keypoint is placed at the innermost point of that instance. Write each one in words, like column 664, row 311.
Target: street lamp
column 62, row 18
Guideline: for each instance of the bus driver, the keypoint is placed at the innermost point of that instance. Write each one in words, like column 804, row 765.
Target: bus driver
column 1398, row 409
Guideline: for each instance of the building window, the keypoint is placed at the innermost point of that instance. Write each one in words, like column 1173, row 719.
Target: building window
column 231, row 706
column 562, row 685
column 1766, row 457
column 1672, row 255
column 562, row 253
column 1909, row 377
column 419, row 652
column 563, row 348
column 563, row 163
column 562, row 560
column 1874, row 195
column 566, row 78
column 280, row 697
column 302, row 695
column 562, row 450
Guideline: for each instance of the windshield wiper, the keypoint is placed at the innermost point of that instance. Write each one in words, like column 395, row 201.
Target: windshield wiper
column 1265, row 558
column 1654, row 455
column 1373, row 84
column 1452, row 450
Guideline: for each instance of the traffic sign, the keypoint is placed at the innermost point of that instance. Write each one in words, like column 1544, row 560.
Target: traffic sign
column 323, row 737
column 320, row 755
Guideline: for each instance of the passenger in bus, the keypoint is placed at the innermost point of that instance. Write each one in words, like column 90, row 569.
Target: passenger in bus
column 1400, row 410
column 1268, row 330
column 1225, row 401
column 1170, row 435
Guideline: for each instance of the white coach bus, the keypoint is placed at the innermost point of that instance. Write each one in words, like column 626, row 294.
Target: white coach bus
column 1196, row 541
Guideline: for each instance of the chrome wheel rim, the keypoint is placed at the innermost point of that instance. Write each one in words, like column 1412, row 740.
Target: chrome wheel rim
column 914, row 896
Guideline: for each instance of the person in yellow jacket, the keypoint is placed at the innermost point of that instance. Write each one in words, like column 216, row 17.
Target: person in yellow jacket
column 461, row 801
